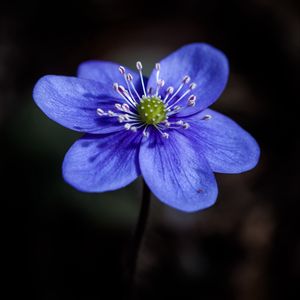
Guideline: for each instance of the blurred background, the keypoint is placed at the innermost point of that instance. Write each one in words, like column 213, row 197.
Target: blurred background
column 62, row 244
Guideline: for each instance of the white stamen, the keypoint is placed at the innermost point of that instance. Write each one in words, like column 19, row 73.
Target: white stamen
column 127, row 126
column 121, row 119
column 170, row 90
column 157, row 67
column 160, row 83
column 129, row 77
column 192, row 86
column 206, row 117
column 175, row 110
column 185, row 125
column 134, row 89
column 115, row 85
column 186, row 79
column 124, row 93
column 100, row 112
column 164, row 134
column 122, row 70
column 192, row 100
column 120, row 90
column 118, row 106
column 125, row 107
column 111, row 113
column 145, row 132
column 139, row 66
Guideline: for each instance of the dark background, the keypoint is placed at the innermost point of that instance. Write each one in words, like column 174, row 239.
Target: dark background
column 62, row 244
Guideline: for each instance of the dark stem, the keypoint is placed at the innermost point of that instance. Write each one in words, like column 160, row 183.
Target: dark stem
column 136, row 242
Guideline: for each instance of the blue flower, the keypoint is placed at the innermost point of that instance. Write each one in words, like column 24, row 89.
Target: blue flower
column 160, row 128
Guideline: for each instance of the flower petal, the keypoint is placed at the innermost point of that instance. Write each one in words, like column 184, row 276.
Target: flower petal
column 108, row 73
column 73, row 103
column 207, row 67
column 99, row 163
column 176, row 173
column 227, row 147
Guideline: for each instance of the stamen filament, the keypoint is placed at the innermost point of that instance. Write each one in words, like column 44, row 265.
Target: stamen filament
column 128, row 86
column 139, row 66
column 133, row 87
column 192, row 86
column 120, row 92
column 164, row 134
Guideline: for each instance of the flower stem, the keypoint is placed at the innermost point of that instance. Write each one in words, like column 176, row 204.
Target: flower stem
column 137, row 240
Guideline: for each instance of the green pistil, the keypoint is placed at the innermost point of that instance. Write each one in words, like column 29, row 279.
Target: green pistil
column 152, row 110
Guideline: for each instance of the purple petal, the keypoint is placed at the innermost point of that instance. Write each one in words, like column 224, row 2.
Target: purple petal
column 99, row 163
column 207, row 67
column 227, row 147
column 108, row 73
column 73, row 103
column 176, row 173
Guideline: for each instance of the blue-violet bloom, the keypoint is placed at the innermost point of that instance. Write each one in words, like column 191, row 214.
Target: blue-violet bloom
column 160, row 128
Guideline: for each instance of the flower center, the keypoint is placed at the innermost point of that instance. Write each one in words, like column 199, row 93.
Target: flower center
column 152, row 110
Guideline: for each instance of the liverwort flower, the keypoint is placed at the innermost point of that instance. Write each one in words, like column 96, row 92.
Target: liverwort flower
column 160, row 128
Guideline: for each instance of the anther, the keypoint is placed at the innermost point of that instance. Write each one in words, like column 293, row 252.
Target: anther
column 121, row 89
column 157, row 66
column 207, row 117
column 121, row 119
column 129, row 77
column 100, row 112
column 185, row 125
column 165, row 135
column 139, row 65
column 118, row 106
column 170, row 90
column 186, row 79
column 122, row 70
column 192, row 86
column 127, row 126
column 192, row 100
column 161, row 82
column 125, row 107
column 116, row 86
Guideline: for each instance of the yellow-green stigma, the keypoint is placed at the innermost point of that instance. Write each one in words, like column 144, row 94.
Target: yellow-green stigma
column 152, row 110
